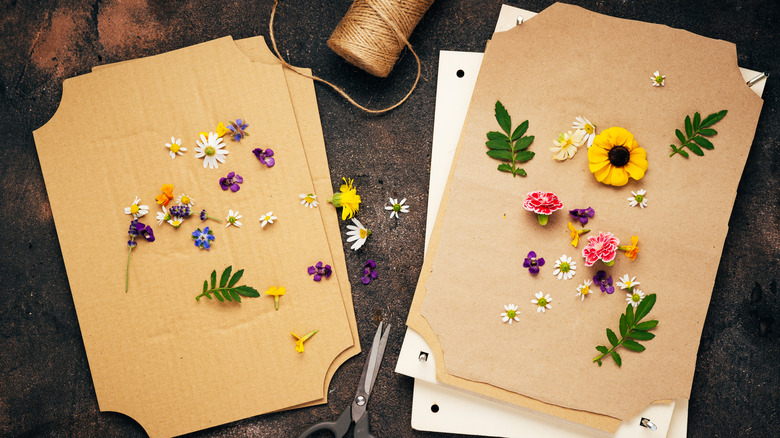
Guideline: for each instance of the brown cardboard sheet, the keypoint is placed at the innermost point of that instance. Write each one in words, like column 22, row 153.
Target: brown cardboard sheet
column 570, row 62
column 173, row 364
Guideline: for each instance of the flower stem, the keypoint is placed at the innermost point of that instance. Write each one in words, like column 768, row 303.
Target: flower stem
column 127, row 275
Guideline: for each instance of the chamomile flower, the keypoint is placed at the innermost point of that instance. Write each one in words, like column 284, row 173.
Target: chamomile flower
column 267, row 218
column 397, row 207
column 564, row 268
column 163, row 216
column 542, row 301
column 581, row 123
column 309, row 200
column 567, row 143
column 185, row 200
column 357, row 233
column 174, row 147
column 176, row 221
column 626, row 282
column 232, row 218
column 658, row 79
column 211, row 149
column 635, row 297
column 137, row 210
column 584, row 289
column 511, row 314
column 638, row 198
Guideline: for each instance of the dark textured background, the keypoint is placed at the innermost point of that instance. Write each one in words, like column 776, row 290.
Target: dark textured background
column 45, row 384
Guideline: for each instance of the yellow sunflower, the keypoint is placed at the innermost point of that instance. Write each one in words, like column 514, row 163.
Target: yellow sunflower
column 615, row 156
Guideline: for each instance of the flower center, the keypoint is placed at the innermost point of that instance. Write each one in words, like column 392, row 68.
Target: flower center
column 635, row 298
column 511, row 313
column 185, row 199
column 309, row 199
column 175, row 148
column 619, row 156
column 585, row 290
column 363, row 234
column 210, row 151
column 658, row 79
column 134, row 209
column 589, row 128
column 396, row 207
column 564, row 267
column 232, row 219
column 533, row 261
column 639, row 198
column 542, row 302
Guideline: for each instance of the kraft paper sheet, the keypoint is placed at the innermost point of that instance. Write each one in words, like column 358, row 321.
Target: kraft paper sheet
column 173, row 364
column 569, row 62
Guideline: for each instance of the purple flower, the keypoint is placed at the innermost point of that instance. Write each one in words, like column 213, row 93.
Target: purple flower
column 265, row 156
column 231, row 182
column 533, row 263
column 181, row 211
column 203, row 215
column 203, row 238
column 319, row 270
column 369, row 272
column 136, row 229
column 582, row 214
column 237, row 128
column 605, row 282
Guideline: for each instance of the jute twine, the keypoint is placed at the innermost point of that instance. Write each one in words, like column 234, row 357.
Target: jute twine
column 371, row 36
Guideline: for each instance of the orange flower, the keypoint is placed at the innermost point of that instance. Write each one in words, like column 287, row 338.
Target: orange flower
column 631, row 250
column 166, row 196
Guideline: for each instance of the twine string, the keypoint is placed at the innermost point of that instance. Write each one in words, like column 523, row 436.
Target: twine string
column 382, row 9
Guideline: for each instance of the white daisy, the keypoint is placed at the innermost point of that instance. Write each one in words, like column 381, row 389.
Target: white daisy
column 626, row 282
column 176, row 221
column 567, row 143
column 211, row 150
column 163, row 216
column 564, row 268
column 174, row 147
column 267, row 218
column 584, row 289
column 232, row 218
column 542, row 302
column 185, row 200
column 397, row 207
column 309, row 200
column 638, row 198
column 137, row 210
column 583, row 124
column 658, row 79
column 357, row 233
column 510, row 314
column 635, row 297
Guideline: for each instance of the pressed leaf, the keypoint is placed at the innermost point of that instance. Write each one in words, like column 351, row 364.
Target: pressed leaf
column 641, row 335
column 703, row 142
column 683, row 153
column 679, row 135
column 612, row 337
column 226, row 295
column 205, row 286
column 647, row 325
column 623, row 325
column 213, row 279
column 236, row 277
column 502, row 117
column 247, row 291
column 688, row 127
column 234, row 295
column 520, row 130
column 602, row 349
column 645, row 307
column 695, row 148
column 504, row 167
column 630, row 315
column 524, row 142
column 523, row 156
column 501, row 155
column 225, row 276
column 708, row 132
column 520, row 172
column 616, row 357
column 498, row 144
column 633, row 345
column 495, row 135
column 696, row 121
column 218, row 295
column 598, row 362
column 713, row 119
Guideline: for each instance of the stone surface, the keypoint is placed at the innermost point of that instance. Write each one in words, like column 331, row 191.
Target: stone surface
column 46, row 388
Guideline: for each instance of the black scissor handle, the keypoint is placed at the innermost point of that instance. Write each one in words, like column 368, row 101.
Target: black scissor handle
column 361, row 427
column 339, row 427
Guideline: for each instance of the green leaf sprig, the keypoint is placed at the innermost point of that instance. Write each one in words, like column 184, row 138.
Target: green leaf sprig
column 227, row 289
column 695, row 131
column 631, row 331
column 509, row 145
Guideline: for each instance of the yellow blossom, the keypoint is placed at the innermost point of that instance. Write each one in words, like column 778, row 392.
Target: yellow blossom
column 616, row 156
column 300, row 340
column 631, row 250
column 275, row 292
column 347, row 198
column 575, row 234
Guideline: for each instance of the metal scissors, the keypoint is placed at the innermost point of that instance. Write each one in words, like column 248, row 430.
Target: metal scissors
column 356, row 412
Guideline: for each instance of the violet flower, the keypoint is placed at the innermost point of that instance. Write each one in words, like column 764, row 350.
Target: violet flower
column 231, row 182
column 182, row 211
column 533, row 263
column 604, row 282
column 369, row 273
column 582, row 214
column 319, row 270
column 265, row 156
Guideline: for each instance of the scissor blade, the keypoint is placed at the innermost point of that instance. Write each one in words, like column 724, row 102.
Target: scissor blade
column 370, row 371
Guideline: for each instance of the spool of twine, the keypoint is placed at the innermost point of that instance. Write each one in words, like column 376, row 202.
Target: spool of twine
column 368, row 36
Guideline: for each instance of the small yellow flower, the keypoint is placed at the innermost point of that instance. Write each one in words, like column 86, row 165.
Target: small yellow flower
column 631, row 250
column 616, row 156
column 347, row 199
column 275, row 292
column 300, row 340
column 221, row 131
column 575, row 234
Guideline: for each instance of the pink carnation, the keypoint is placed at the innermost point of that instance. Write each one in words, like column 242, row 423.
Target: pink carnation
column 542, row 202
column 604, row 247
